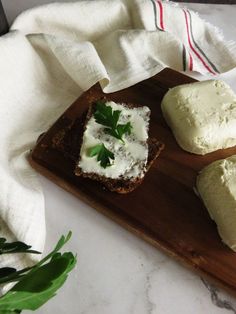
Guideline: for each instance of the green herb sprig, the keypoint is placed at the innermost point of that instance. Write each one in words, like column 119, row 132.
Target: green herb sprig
column 36, row 285
column 104, row 115
column 103, row 155
column 15, row 247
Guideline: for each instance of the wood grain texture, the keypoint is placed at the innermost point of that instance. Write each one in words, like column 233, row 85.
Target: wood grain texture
column 164, row 210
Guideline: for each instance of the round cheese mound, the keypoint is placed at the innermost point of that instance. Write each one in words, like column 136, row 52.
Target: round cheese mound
column 202, row 115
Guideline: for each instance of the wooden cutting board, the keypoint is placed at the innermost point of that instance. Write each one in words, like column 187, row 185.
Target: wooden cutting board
column 164, row 210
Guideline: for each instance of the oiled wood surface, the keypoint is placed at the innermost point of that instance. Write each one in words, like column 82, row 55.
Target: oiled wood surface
column 164, row 210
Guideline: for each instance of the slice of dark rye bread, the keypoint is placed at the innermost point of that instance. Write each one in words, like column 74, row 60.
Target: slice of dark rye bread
column 69, row 141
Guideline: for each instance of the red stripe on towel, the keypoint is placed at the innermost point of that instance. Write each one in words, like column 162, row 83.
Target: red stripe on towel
column 161, row 15
column 191, row 46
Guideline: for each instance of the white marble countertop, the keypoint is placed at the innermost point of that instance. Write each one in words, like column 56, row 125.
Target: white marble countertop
column 117, row 273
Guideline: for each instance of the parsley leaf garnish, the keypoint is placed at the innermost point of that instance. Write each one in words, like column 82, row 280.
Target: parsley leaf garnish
column 102, row 153
column 36, row 285
column 106, row 116
column 120, row 130
column 15, row 247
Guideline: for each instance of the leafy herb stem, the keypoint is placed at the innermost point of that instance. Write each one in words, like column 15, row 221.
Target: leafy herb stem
column 15, row 247
column 104, row 115
column 34, row 285
column 103, row 155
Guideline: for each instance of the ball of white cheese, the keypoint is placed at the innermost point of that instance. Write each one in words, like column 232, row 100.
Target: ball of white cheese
column 216, row 185
column 202, row 115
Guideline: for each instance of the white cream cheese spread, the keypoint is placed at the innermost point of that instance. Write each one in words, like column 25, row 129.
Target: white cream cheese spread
column 202, row 115
column 131, row 156
column 216, row 185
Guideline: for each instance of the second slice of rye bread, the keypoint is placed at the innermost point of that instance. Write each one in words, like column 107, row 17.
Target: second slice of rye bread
column 69, row 141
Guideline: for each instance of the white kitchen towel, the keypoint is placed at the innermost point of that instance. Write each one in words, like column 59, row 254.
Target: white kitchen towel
column 55, row 52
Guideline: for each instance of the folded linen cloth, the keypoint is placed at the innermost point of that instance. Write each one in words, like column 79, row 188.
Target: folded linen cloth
column 55, row 52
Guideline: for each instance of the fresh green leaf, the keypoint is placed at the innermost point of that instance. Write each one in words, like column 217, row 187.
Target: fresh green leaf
column 17, row 275
column 62, row 241
column 38, row 287
column 11, row 275
column 6, row 271
column 124, row 128
column 8, row 274
column 15, row 247
column 104, row 115
column 113, row 132
column 2, row 240
column 95, row 150
column 120, row 130
column 10, row 312
column 102, row 153
column 40, row 283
